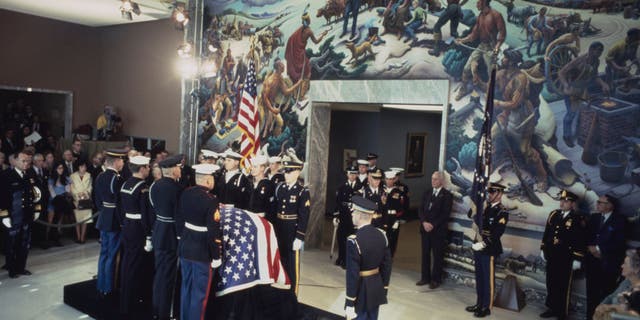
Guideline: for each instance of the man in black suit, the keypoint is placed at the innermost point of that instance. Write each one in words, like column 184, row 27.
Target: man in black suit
column 434, row 215
column 605, row 251
column 9, row 145
column 78, row 155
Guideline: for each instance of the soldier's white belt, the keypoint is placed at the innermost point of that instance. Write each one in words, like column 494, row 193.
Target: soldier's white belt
column 165, row 219
column 133, row 216
column 392, row 212
column 367, row 273
column 287, row 216
column 194, row 227
column 108, row 204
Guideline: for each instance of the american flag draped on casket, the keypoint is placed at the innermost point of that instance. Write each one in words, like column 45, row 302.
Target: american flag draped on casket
column 250, row 253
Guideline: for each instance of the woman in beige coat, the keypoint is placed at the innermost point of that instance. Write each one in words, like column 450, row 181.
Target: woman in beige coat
column 81, row 189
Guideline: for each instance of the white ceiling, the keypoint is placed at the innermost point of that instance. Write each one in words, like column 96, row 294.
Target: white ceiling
column 94, row 13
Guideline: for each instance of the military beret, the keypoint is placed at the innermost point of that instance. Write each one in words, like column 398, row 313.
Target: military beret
column 171, row 161
column 568, row 195
column 140, row 160
column 371, row 156
column 363, row 205
column 205, row 168
column 116, row 153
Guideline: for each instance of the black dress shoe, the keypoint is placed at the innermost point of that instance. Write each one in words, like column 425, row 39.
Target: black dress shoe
column 548, row 314
column 482, row 312
column 26, row 272
column 338, row 262
column 13, row 275
column 434, row 285
column 421, row 283
column 472, row 308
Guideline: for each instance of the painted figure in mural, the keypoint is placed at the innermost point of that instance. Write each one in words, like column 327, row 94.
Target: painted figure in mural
column 274, row 86
column 298, row 65
column 487, row 248
column 518, row 116
column 606, row 242
column 452, row 14
column 491, row 32
column 575, row 78
column 573, row 36
column 344, row 194
column 619, row 60
column 395, row 208
column 395, row 16
column 419, row 17
column 351, row 9
column 538, row 31
column 562, row 247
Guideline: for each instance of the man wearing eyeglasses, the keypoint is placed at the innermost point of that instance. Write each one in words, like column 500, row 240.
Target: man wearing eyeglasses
column 605, row 250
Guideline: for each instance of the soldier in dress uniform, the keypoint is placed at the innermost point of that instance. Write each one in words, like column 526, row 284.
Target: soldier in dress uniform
column 107, row 198
column 375, row 192
column 262, row 200
column 363, row 172
column 563, row 247
column 233, row 186
column 394, row 207
column 274, row 173
column 188, row 176
column 164, row 195
column 135, row 278
column 368, row 264
column 293, row 205
column 372, row 161
column 213, row 157
column 198, row 222
column 343, row 209
column 487, row 248
column 404, row 188
column 20, row 205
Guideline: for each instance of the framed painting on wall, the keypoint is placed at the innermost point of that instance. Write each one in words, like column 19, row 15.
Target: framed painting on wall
column 414, row 166
column 349, row 157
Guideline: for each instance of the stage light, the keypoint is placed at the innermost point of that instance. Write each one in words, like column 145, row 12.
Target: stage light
column 414, row 107
column 185, row 50
column 208, row 68
column 187, row 68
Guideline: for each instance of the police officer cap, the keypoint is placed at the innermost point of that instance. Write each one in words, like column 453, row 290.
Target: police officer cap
column 496, row 186
column 208, row 154
column 289, row 166
column 390, row 174
column 275, row 159
column 171, row 161
column 140, row 160
column 376, row 174
column 116, row 153
column 259, row 161
column 363, row 205
column 205, row 168
column 362, row 162
column 352, row 170
column 232, row 155
column 371, row 156
column 568, row 195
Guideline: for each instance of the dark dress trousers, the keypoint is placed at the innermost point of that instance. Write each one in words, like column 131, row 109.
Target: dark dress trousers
column 436, row 210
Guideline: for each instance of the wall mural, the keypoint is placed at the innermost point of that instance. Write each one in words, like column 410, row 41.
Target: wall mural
column 567, row 91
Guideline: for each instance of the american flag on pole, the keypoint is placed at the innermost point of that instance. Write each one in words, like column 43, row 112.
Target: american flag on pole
column 483, row 161
column 248, row 117
column 250, row 253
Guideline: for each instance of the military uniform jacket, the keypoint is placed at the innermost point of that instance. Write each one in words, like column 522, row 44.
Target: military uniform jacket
column 262, row 199
column 20, row 197
column 42, row 182
column 198, row 222
column 609, row 236
column 564, row 235
column 164, row 195
column 368, row 269
column 436, row 209
column 236, row 191
column 138, row 217
column 277, row 178
column 405, row 191
column 364, row 182
column 494, row 222
column 293, row 204
column 343, row 198
column 380, row 219
column 394, row 205
column 107, row 196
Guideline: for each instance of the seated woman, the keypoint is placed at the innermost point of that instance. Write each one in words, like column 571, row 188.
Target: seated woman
column 81, row 190
column 59, row 205
column 617, row 302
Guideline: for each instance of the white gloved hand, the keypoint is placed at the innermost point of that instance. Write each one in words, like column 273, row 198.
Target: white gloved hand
column 297, row 244
column 576, row 265
column 36, row 215
column 336, row 221
column 178, row 237
column 7, row 222
column 350, row 313
column 215, row 263
column 478, row 246
column 395, row 225
column 542, row 255
column 147, row 245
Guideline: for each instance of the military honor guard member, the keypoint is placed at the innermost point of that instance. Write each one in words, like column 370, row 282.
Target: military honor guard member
column 563, row 246
column 375, row 192
column 368, row 264
column 233, row 187
column 606, row 243
column 20, row 205
column 293, row 204
column 343, row 207
column 136, row 235
column 164, row 195
column 274, row 173
column 487, row 248
column 262, row 200
column 372, row 161
column 394, row 207
column 198, row 222
column 363, row 172
column 404, row 188
column 434, row 217
column 107, row 198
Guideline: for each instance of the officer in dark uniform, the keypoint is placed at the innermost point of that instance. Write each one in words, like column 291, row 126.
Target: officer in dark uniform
column 606, row 243
column 394, row 207
column 563, row 246
column 135, row 280
column 164, row 195
column 20, row 205
column 188, row 176
column 375, row 192
column 372, row 160
column 343, row 209
column 107, row 197
column 198, row 222
column 368, row 264
column 262, row 200
column 403, row 187
column 233, row 186
column 274, row 173
column 293, row 204
column 363, row 172
column 487, row 248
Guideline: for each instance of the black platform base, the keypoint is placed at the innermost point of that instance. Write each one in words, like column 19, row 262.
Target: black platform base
column 263, row 303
